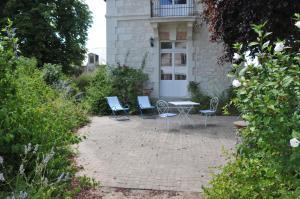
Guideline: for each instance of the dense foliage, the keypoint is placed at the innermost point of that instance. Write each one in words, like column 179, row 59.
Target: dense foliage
column 224, row 107
column 230, row 21
column 197, row 95
column 98, row 88
column 49, row 30
column 268, row 95
column 35, row 129
column 122, row 81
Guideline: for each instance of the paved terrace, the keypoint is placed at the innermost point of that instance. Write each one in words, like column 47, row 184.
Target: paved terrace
column 142, row 154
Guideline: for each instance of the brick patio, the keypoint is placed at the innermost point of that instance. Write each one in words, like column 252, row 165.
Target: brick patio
column 142, row 154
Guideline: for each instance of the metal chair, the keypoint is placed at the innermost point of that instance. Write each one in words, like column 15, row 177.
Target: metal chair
column 163, row 111
column 144, row 104
column 214, row 102
column 116, row 107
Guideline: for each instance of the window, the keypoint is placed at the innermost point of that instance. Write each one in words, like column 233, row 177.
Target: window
column 166, row 59
column 170, row 2
column 165, row 2
column 91, row 59
column 179, row 1
column 97, row 58
column 166, row 45
column 164, row 36
column 166, row 76
column 180, row 76
column 180, row 59
column 181, row 35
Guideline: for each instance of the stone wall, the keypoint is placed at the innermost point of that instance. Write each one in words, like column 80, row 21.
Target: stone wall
column 212, row 77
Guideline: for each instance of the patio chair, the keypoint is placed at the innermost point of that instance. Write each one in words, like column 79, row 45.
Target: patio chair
column 163, row 111
column 214, row 102
column 144, row 104
column 116, row 107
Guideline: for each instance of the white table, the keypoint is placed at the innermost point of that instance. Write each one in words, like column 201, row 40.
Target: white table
column 184, row 108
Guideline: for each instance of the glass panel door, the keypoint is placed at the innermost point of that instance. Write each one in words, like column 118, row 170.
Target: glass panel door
column 173, row 69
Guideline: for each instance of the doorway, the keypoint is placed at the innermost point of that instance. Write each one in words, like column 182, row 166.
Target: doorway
column 173, row 69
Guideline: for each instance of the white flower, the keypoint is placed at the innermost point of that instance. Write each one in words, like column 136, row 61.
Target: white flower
column 48, row 157
column 2, row 179
column 36, row 148
column 294, row 142
column 21, row 169
column 279, row 47
column 251, row 61
column 27, row 148
column 297, row 24
column 236, row 83
column 23, row 194
column 1, row 160
column 236, row 56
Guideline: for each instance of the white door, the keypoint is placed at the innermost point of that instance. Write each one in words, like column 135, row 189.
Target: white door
column 173, row 69
column 174, row 7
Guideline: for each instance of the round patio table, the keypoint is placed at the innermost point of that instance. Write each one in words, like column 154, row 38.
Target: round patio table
column 184, row 108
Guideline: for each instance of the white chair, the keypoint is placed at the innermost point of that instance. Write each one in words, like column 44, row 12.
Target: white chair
column 214, row 102
column 163, row 111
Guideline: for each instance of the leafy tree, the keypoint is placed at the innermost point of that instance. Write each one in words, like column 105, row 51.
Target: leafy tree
column 230, row 21
column 267, row 89
column 51, row 31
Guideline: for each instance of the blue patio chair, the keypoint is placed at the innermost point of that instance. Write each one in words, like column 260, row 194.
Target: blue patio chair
column 163, row 111
column 214, row 102
column 116, row 107
column 144, row 104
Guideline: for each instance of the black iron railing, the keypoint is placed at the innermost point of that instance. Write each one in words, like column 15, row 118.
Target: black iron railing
column 173, row 8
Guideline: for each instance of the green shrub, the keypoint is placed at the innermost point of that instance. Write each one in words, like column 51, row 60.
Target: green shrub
column 128, row 83
column 99, row 88
column 33, row 112
column 197, row 95
column 225, row 104
column 52, row 73
column 267, row 87
column 250, row 179
column 83, row 81
column 124, row 82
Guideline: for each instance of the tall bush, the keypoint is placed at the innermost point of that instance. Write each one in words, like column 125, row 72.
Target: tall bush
column 267, row 87
column 128, row 83
column 99, row 88
column 32, row 112
column 125, row 82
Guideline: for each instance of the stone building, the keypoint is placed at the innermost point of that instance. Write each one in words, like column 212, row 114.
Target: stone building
column 93, row 62
column 168, row 39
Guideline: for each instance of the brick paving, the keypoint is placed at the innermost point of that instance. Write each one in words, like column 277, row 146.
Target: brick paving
column 142, row 154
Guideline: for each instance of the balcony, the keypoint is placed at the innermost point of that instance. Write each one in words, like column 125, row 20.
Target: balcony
column 173, row 8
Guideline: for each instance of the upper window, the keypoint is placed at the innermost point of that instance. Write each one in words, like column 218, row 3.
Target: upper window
column 179, row 1
column 166, row 2
column 181, row 35
column 171, row 2
column 164, row 35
